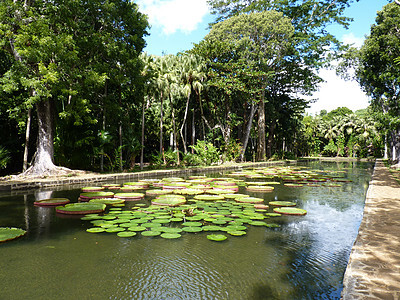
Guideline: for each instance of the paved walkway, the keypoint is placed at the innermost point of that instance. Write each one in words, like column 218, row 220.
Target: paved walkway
column 373, row 271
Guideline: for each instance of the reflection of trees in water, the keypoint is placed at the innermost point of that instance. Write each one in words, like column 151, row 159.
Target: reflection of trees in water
column 43, row 213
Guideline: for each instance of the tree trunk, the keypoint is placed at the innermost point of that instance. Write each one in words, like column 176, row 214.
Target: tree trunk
column 261, row 147
column 43, row 163
column 27, row 135
column 271, row 137
column 193, row 131
column 253, row 110
column 142, row 141
column 161, row 128
column 183, row 124
column 175, row 138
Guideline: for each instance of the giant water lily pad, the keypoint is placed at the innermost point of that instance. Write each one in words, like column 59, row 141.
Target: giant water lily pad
column 169, row 200
column 126, row 234
column 10, row 233
column 81, row 208
column 95, row 195
column 209, row 197
column 151, row 233
column 290, row 211
column 52, row 202
column 129, row 196
column 192, row 229
column 252, row 200
column 107, row 201
column 282, row 203
column 95, row 230
column 170, row 235
column 157, row 192
column 216, row 237
column 260, row 188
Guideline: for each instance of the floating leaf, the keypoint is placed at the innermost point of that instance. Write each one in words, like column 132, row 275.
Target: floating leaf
column 52, row 202
column 282, row 203
column 126, row 234
column 151, row 233
column 10, row 233
column 81, row 208
column 290, row 211
column 192, row 229
column 216, row 237
column 236, row 232
column 170, row 235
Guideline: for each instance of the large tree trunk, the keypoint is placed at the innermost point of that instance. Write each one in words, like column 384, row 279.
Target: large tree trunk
column 27, row 136
column 253, row 110
column 261, row 146
column 183, row 124
column 43, row 163
column 142, row 141
column 271, row 137
column 161, row 128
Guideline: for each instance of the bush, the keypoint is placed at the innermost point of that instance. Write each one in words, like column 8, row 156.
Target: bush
column 205, row 154
column 330, row 149
column 4, row 158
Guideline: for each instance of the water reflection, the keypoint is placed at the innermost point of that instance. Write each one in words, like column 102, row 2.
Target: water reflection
column 303, row 259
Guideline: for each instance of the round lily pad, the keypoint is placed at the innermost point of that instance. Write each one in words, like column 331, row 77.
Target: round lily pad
column 169, row 200
column 107, row 201
column 94, row 195
column 249, row 200
column 170, row 235
column 209, row 197
column 81, row 208
column 151, row 233
column 290, row 211
column 170, row 229
column 10, row 233
column 137, row 228
column 216, row 237
column 95, row 229
column 236, row 232
column 282, row 203
column 257, row 223
column 126, row 234
column 192, row 229
column 260, row 188
column 195, row 224
column 129, row 196
column 51, row 202
column 114, row 229
column 189, row 191
column 273, row 215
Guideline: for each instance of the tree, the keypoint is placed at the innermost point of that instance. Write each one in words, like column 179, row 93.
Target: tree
column 244, row 53
column 62, row 51
column 379, row 75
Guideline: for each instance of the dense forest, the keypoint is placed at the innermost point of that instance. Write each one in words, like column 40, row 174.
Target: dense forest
column 78, row 92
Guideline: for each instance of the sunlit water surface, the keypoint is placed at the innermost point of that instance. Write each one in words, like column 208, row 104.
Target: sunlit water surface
column 303, row 259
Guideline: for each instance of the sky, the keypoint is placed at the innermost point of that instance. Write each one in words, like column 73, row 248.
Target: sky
column 177, row 24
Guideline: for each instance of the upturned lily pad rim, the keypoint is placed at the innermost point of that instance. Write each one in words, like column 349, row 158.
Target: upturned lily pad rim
column 52, row 202
column 10, row 233
column 282, row 203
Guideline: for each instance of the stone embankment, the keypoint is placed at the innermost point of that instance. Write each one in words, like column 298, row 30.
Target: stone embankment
column 65, row 182
column 373, row 271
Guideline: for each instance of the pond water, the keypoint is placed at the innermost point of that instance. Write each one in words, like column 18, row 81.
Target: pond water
column 305, row 258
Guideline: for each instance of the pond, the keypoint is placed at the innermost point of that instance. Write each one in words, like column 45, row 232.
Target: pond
column 304, row 258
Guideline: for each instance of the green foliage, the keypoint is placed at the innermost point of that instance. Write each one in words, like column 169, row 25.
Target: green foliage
column 205, row 154
column 232, row 150
column 330, row 149
column 4, row 158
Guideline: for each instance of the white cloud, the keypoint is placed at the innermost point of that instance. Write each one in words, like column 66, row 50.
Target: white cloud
column 174, row 15
column 336, row 92
column 351, row 39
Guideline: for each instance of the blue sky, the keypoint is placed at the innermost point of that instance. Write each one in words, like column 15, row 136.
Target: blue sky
column 177, row 24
